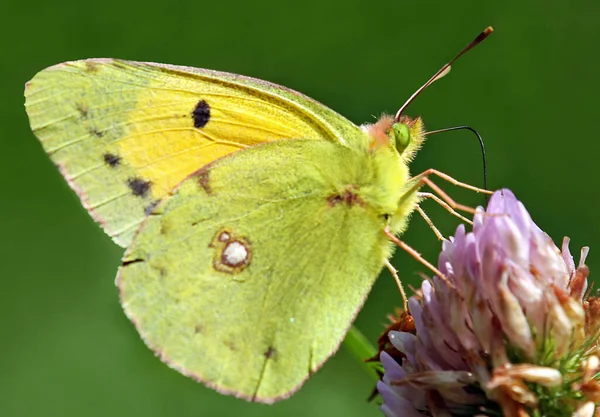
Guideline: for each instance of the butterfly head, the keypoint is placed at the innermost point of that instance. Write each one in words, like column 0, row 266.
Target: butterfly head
column 401, row 132
column 405, row 136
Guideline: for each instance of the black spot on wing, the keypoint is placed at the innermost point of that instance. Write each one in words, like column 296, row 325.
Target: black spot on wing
column 112, row 160
column 350, row 197
column 270, row 352
column 91, row 67
column 82, row 109
column 148, row 210
column 95, row 132
column 165, row 226
column 201, row 114
column 204, row 181
column 138, row 186
column 162, row 272
column 132, row 261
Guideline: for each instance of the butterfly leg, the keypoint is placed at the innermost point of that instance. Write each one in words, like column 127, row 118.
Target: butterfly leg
column 425, row 217
column 394, row 273
column 451, row 180
column 423, row 179
column 445, row 197
column 444, row 205
column 412, row 252
column 441, row 198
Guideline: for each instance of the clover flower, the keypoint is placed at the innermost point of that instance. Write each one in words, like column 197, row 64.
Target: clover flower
column 516, row 336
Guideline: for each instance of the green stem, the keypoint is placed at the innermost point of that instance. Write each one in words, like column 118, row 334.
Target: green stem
column 362, row 349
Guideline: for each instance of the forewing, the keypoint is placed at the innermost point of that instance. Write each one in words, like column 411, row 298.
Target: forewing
column 249, row 276
column 125, row 133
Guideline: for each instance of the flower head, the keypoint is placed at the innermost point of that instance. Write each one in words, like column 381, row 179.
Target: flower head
column 513, row 335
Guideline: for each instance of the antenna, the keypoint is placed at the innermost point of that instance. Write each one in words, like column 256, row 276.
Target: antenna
column 449, row 129
column 444, row 70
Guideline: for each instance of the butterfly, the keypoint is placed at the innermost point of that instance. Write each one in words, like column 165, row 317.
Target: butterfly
column 255, row 219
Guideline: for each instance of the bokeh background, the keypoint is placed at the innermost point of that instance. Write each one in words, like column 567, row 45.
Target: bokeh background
column 531, row 90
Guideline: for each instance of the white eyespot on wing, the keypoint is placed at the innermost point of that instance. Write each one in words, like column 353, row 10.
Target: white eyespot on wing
column 235, row 254
column 232, row 252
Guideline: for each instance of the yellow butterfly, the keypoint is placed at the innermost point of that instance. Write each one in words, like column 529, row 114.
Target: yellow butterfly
column 255, row 219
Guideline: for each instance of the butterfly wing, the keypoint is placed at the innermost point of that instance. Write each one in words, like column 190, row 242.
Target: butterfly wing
column 248, row 277
column 125, row 133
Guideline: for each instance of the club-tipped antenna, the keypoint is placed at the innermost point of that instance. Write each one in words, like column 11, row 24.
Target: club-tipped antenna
column 444, row 70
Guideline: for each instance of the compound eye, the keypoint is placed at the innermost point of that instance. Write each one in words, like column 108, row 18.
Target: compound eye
column 401, row 134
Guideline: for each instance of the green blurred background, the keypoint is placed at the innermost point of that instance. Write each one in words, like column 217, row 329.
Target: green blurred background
column 531, row 90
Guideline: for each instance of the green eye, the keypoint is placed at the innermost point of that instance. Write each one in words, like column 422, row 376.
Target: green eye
column 401, row 134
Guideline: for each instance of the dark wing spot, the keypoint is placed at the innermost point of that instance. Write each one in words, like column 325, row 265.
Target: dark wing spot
column 138, row 186
column 112, row 160
column 148, row 210
column 119, row 64
column 95, row 132
column 132, row 261
column 270, row 352
column 201, row 114
column 197, row 328
column 82, row 109
column 203, row 180
column 349, row 197
column 165, row 226
column 162, row 272
column 334, row 199
column 91, row 67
